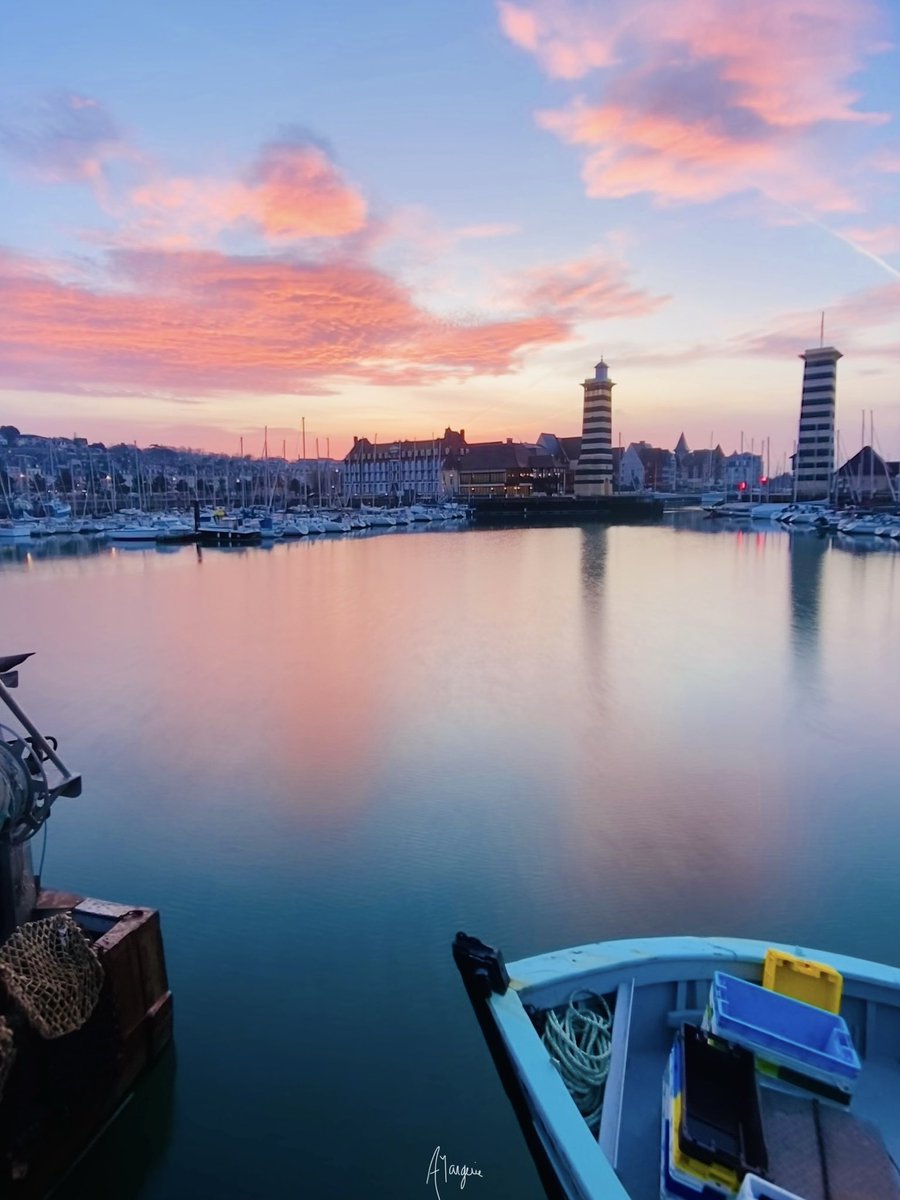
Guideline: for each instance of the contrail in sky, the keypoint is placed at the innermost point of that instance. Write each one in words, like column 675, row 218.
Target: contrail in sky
column 842, row 237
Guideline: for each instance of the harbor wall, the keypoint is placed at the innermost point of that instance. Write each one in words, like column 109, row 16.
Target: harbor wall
column 565, row 510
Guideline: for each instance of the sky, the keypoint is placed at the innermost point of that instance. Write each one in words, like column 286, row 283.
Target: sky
column 224, row 220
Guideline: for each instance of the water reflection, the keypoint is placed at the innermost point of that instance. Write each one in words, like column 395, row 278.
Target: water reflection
column 807, row 558
column 131, row 1150
column 593, row 558
column 38, row 549
column 594, row 550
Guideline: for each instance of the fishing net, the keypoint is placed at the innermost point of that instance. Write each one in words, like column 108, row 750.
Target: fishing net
column 52, row 973
column 7, row 1053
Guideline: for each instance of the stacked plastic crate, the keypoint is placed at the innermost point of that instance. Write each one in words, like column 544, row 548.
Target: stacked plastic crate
column 812, row 1046
column 713, row 1143
column 712, row 1134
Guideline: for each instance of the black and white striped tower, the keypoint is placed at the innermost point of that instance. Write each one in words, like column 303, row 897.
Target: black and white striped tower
column 814, row 464
column 594, row 474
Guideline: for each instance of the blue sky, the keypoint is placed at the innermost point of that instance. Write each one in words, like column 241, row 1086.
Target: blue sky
column 388, row 219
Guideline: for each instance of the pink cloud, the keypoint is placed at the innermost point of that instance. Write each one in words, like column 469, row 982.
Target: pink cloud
column 788, row 60
column 65, row 138
column 883, row 239
column 866, row 309
column 700, row 99
column 203, row 322
column 849, row 324
column 566, row 45
column 852, row 324
column 478, row 232
column 293, row 191
column 678, row 159
column 300, row 193
column 585, row 289
column 887, row 160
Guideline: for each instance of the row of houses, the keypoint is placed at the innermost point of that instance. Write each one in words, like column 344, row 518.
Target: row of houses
column 641, row 467
column 449, row 465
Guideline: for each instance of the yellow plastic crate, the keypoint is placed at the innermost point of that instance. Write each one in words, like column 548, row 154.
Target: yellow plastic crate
column 812, row 982
column 713, row 1174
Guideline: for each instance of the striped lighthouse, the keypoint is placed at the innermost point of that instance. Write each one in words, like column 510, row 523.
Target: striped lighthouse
column 594, row 474
column 814, row 464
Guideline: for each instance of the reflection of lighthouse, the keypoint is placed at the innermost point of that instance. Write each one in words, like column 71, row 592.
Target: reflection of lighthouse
column 807, row 553
column 593, row 475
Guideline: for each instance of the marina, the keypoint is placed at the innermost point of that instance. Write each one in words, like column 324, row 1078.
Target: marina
column 331, row 799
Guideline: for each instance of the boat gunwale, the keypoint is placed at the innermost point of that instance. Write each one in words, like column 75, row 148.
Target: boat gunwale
column 561, row 966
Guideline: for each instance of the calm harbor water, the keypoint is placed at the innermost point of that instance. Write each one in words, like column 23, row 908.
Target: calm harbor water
column 321, row 760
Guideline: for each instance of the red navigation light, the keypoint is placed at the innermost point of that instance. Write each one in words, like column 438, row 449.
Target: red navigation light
column 763, row 479
column 742, row 487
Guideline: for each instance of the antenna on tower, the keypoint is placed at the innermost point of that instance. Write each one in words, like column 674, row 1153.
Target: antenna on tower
column 822, row 332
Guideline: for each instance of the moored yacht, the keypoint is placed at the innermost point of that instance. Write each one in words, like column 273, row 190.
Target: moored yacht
column 134, row 532
column 861, row 525
column 16, row 531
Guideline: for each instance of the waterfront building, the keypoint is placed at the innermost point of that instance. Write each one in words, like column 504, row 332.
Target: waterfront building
column 683, row 460
column 404, row 471
column 630, row 470
column 509, row 469
column 594, row 473
column 565, row 452
column 700, row 470
column 814, row 461
column 742, row 472
column 867, row 478
column 643, row 466
column 780, row 485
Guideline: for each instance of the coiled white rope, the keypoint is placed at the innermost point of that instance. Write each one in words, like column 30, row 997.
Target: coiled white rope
column 579, row 1044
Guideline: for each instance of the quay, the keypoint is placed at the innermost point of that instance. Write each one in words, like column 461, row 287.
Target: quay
column 564, row 510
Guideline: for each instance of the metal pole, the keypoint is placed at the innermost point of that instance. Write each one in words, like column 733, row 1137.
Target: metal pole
column 38, row 739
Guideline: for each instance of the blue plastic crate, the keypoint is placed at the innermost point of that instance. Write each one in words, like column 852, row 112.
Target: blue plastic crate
column 783, row 1030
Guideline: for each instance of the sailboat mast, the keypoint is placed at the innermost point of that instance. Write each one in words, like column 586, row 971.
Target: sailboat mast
column 93, row 486
column 303, row 450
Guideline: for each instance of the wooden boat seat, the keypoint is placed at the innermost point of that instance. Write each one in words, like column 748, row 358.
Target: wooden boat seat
column 825, row 1153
